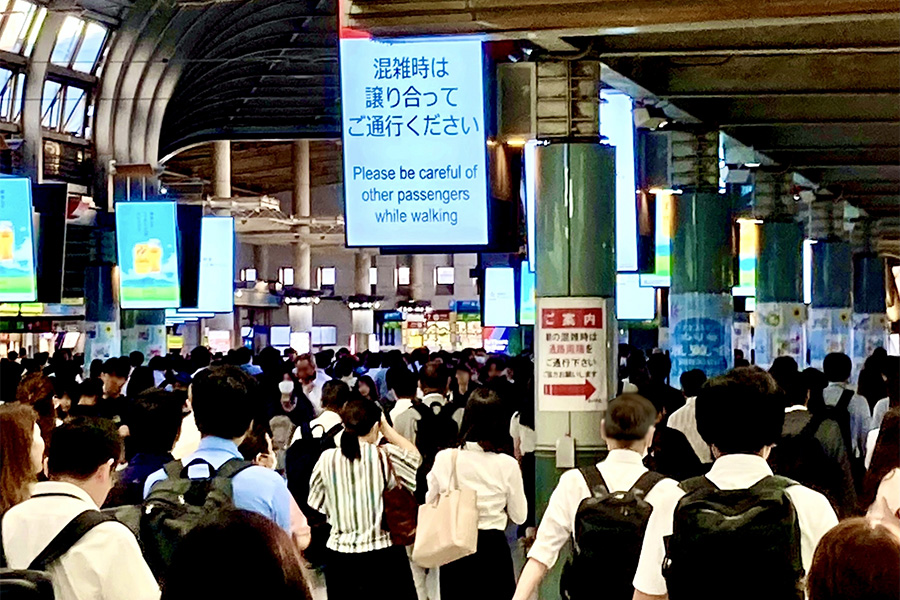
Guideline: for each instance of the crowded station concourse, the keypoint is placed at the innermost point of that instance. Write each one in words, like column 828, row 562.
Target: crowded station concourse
column 331, row 299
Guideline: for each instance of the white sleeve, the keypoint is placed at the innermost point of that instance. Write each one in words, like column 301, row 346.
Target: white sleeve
column 125, row 574
column 816, row 518
column 516, row 502
column 559, row 518
column 649, row 577
column 439, row 476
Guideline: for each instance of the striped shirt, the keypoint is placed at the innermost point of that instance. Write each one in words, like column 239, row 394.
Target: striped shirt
column 349, row 493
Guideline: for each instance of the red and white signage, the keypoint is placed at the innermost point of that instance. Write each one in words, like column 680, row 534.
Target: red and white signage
column 572, row 336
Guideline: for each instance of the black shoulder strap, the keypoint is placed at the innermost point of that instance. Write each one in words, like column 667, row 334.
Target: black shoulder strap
column 774, row 482
column 173, row 469
column 68, row 537
column 595, row 482
column 646, row 482
column 843, row 404
column 332, row 433
column 423, row 410
column 232, row 467
column 695, row 484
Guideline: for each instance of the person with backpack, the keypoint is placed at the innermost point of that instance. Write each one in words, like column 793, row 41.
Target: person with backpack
column 605, row 508
column 849, row 409
column 216, row 475
column 738, row 532
column 60, row 533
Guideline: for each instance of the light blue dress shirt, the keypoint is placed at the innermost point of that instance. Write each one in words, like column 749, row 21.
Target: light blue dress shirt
column 860, row 415
column 255, row 488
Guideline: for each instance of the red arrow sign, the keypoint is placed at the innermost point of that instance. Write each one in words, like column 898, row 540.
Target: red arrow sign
column 585, row 389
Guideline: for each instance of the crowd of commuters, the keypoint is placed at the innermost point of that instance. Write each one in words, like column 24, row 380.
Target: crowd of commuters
column 296, row 468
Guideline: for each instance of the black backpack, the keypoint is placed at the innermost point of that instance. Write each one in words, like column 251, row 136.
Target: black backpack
column 739, row 544
column 176, row 505
column 300, row 460
column 34, row 583
column 840, row 413
column 435, row 431
column 609, row 532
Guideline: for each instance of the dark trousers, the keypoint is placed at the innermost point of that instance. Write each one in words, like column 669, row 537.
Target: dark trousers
column 377, row 575
column 486, row 575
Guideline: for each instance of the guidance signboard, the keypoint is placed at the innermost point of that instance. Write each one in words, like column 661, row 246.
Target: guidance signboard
column 17, row 272
column 414, row 142
column 148, row 255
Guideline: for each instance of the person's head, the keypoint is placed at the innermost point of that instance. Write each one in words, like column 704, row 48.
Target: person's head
column 36, row 390
column 344, row 367
column 783, row 366
column 155, row 422
column 223, row 402
column 242, row 356
column 361, row 420
column 136, row 358
column 200, row 357
column 335, row 394
column 856, row 560
column 659, row 366
column 85, row 451
column 141, row 380
column 815, row 383
column 794, row 388
column 837, row 367
column 157, row 363
column 257, row 446
column 486, row 422
column 691, row 382
column 365, row 387
column 21, row 453
column 871, row 385
column 402, row 381
column 96, row 369
column 741, row 412
column 114, row 375
column 494, row 367
column 305, row 368
column 89, row 391
column 463, row 375
column 433, row 379
column 269, row 561
column 629, row 423
column 13, row 355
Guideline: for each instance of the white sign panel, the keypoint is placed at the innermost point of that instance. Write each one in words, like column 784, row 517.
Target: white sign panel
column 414, row 142
column 572, row 338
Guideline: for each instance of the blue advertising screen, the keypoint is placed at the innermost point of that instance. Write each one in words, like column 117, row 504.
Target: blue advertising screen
column 499, row 297
column 414, row 142
column 17, row 274
column 527, row 301
column 216, row 287
column 148, row 255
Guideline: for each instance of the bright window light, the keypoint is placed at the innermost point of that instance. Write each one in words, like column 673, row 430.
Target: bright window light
column 373, row 275
column 445, row 275
column 286, row 275
column 617, row 125
column 19, row 17
column 807, row 270
column 91, row 45
column 50, row 104
column 327, row 276
column 67, row 41
column 74, row 110
column 402, row 275
column 248, row 274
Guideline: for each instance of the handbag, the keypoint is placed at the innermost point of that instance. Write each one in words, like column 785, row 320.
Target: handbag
column 448, row 525
column 400, row 508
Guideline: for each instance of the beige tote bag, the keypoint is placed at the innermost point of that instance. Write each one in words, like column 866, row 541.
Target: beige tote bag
column 448, row 526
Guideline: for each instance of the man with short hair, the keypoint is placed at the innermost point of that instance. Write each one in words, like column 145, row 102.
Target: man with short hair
column 335, row 394
column 737, row 532
column 402, row 383
column 685, row 418
column 628, row 429
column 224, row 404
column 434, row 382
column 106, row 562
column 658, row 391
column 311, row 380
column 838, row 367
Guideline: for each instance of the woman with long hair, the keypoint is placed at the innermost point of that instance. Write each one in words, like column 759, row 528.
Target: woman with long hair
column 483, row 463
column 21, row 453
column 36, row 390
column 347, row 486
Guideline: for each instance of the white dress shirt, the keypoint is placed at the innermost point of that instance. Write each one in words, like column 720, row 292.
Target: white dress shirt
column 105, row 564
column 320, row 426
column 685, row 420
column 407, row 422
column 496, row 479
column 401, row 406
column 731, row 472
column 525, row 436
column 878, row 412
column 313, row 390
column 189, row 438
column 620, row 470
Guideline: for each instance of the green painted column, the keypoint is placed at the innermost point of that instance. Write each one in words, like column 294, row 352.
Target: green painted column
column 781, row 314
column 575, row 246
column 144, row 331
column 830, row 312
column 701, row 309
column 869, row 322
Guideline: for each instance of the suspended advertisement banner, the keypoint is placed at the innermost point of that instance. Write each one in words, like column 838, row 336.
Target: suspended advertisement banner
column 700, row 329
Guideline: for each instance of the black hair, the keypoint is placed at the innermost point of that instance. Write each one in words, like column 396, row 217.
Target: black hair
column 815, row 382
column 783, row 366
column 255, row 443
column 242, row 355
column 140, row 381
column 359, row 417
column 344, row 366
column 136, row 358
column 81, row 446
column 659, row 366
column 158, row 363
column 373, row 389
column 871, row 385
column 629, row 418
column 118, row 367
column 270, row 563
column 433, row 376
column 95, row 368
column 402, row 381
column 335, row 394
column 200, row 357
column 740, row 412
column 223, row 401
column 692, row 381
column 486, row 421
column 837, row 367
column 91, row 387
column 155, row 421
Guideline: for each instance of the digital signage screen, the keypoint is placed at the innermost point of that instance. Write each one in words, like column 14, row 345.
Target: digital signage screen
column 148, row 255
column 634, row 302
column 527, row 301
column 414, row 142
column 499, row 297
column 216, row 287
column 17, row 273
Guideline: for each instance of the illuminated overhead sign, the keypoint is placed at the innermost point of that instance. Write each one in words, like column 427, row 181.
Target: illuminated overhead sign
column 414, row 142
column 17, row 272
column 147, row 254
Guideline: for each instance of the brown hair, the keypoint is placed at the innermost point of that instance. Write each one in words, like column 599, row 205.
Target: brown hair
column 16, row 471
column 36, row 390
column 856, row 560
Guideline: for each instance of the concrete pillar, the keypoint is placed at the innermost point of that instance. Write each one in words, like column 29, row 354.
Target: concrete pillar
column 261, row 263
column 576, row 263
column 780, row 312
column 869, row 323
column 301, row 316
column 363, row 320
column 830, row 312
column 417, row 277
column 221, row 159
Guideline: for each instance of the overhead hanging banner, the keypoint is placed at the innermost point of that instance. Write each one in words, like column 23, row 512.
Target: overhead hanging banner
column 147, row 255
column 17, row 273
column 414, row 142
